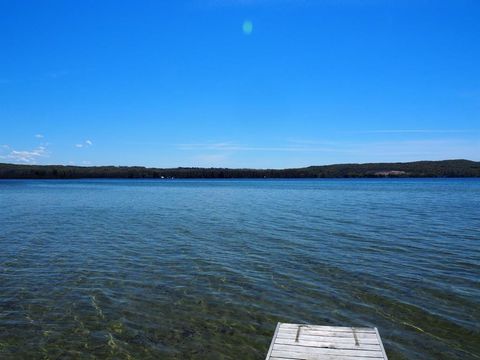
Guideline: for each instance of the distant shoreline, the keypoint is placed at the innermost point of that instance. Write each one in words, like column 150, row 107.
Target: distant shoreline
column 417, row 169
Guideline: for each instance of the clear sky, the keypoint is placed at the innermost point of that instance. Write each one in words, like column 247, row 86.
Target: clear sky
column 238, row 83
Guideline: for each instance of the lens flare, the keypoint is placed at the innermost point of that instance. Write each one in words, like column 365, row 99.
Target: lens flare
column 247, row 27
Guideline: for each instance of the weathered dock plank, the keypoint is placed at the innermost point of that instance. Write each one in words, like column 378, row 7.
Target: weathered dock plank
column 315, row 342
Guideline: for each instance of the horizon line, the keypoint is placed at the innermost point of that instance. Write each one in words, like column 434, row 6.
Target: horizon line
column 235, row 168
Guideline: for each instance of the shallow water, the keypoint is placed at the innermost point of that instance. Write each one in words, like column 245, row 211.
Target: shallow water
column 185, row 269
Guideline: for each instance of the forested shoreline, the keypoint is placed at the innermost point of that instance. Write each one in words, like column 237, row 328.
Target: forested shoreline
column 445, row 168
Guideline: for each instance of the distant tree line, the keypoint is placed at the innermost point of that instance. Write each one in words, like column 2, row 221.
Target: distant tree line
column 445, row 168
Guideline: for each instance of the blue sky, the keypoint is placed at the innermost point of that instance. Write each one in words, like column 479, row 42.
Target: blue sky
column 238, row 83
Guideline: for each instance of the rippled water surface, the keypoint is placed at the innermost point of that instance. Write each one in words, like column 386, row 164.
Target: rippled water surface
column 120, row 269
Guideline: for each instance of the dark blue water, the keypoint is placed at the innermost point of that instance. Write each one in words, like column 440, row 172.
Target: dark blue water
column 119, row 269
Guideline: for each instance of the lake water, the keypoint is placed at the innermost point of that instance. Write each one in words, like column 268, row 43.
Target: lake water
column 187, row 269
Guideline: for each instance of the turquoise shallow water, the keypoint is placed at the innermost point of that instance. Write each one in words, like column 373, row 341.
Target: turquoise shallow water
column 120, row 269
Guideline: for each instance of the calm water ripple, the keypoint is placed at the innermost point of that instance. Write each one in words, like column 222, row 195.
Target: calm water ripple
column 119, row 269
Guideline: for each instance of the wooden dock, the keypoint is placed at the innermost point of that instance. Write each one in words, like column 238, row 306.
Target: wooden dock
column 313, row 342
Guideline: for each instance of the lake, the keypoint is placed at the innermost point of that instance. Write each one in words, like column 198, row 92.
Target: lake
column 204, row 269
